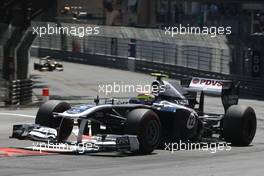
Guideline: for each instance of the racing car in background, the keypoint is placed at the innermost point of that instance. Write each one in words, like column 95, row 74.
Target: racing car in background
column 147, row 121
column 47, row 64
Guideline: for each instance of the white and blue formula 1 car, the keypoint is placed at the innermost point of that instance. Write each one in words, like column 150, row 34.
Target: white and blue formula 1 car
column 147, row 121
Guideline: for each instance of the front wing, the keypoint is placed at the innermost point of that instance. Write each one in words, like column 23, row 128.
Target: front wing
column 47, row 141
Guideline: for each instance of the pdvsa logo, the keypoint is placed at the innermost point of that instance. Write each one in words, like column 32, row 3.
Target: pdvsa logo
column 207, row 82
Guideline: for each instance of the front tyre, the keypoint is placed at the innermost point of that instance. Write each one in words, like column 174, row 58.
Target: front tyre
column 239, row 125
column 146, row 125
column 45, row 118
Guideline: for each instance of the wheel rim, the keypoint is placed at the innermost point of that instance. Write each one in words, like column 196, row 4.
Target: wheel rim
column 152, row 132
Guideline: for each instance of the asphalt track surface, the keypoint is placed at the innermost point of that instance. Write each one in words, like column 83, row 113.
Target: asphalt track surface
column 79, row 81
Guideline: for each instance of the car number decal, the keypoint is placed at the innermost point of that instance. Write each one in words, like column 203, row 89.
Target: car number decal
column 191, row 121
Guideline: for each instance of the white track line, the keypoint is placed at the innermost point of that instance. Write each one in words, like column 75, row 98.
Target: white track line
column 21, row 115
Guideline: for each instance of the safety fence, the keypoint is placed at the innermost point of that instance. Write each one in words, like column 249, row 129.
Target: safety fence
column 19, row 92
column 193, row 51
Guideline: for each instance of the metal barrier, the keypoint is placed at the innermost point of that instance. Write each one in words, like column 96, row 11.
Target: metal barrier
column 249, row 87
column 19, row 92
column 2, row 92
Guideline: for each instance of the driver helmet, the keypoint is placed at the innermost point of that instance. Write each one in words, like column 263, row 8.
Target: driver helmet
column 146, row 98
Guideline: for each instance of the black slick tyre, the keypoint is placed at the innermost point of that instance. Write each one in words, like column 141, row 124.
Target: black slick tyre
column 145, row 124
column 239, row 125
column 45, row 118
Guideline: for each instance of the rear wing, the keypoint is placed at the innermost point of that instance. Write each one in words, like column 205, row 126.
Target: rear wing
column 227, row 89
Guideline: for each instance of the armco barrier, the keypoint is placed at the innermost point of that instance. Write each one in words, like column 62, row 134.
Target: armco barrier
column 250, row 87
column 2, row 92
column 175, row 71
column 19, row 92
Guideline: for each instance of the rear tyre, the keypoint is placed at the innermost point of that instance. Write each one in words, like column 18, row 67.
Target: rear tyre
column 146, row 125
column 45, row 118
column 239, row 125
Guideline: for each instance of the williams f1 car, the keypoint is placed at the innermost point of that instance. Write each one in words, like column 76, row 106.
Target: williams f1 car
column 146, row 122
